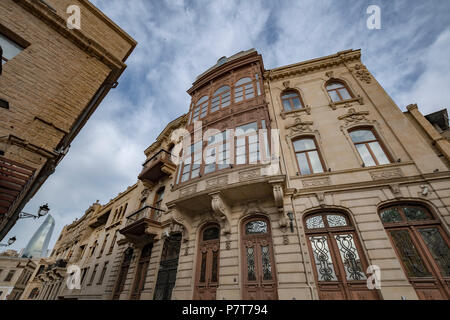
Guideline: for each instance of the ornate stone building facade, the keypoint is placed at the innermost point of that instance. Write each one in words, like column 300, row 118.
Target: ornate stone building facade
column 53, row 78
column 15, row 273
column 357, row 187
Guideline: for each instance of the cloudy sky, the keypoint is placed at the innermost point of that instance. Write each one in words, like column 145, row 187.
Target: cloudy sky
column 179, row 39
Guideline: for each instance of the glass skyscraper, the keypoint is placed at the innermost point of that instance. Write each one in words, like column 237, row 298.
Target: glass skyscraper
column 38, row 245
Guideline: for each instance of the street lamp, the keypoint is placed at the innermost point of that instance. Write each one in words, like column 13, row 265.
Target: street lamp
column 43, row 210
column 291, row 218
column 10, row 242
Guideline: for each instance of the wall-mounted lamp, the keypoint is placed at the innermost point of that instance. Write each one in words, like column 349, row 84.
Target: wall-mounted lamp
column 291, row 218
column 43, row 210
column 10, row 242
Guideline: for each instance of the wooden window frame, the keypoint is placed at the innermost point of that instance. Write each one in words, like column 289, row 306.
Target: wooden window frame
column 306, row 154
column 102, row 275
column 344, row 85
column 220, row 96
column 366, row 143
column 290, row 100
column 244, row 95
column 200, row 108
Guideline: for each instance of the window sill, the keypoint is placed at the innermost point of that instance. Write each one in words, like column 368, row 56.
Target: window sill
column 295, row 113
column 347, row 103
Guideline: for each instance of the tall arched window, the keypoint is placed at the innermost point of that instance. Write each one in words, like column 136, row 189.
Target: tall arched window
column 308, row 157
column 243, row 90
column 338, row 91
column 221, row 98
column 291, row 101
column 200, row 109
column 120, row 284
column 372, row 152
column 339, row 264
column 422, row 246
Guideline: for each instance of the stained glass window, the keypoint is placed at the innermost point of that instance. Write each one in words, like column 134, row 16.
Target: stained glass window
column 251, row 264
column 412, row 261
column 211, row 233
column 391, row 215
column 415, row 214
column 438, row 248
column 315, row 222
column 256, row 227
column 350, row 257
column 335, row 220
column 267, row 268
column 322, row 258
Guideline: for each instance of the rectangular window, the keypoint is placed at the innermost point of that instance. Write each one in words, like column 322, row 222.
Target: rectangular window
column 247, row 148
column 9, row 275
column 10, row 48
column 113, row 242
column 93, row 275
column 102, row 275
column 104, row 245
column 307, row 155
column 369, row 148
column 83, row 274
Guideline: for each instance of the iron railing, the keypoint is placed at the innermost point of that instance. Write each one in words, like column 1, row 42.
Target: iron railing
column 148, row 212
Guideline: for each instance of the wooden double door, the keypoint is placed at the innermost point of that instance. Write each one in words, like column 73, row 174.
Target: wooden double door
column 423, row 247
column 207, row 276
column 337, row 257
column 258, row 267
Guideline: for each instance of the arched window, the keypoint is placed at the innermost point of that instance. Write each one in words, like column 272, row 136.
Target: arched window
column 339, row 264
column 221, row 98
column 243, row 90
column 338, row 91
column 120, row 283
column 200, row 109
column 423, row 247
column 291, row 101
column 308, row 157
column 372, row 152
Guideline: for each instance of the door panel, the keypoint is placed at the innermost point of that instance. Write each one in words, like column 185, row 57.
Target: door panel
column 259, row 274
column 168, row 267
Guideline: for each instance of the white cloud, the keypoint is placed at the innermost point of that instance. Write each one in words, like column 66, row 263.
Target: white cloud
column 180, row 39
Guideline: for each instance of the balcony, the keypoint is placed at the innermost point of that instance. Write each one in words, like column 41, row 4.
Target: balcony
column 143, row 225
column 157, row 167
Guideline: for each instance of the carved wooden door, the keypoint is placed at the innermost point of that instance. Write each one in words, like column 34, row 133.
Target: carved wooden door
column 422, row 246
column 141, row 272
column 337, row 258
column 167, row 273
column 207, row 277
column 259, row 275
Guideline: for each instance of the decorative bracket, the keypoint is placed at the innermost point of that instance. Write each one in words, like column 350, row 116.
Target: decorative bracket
column 221, row 211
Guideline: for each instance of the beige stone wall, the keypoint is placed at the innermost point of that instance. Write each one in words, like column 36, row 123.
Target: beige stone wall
column 357, row 190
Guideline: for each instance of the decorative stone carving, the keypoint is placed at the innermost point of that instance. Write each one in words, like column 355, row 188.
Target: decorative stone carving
column 188, row 190
column 278, row 194
column 228, row 244
column 253, row 207
column 221, row 212
column 314, row 183
column 362, row 73
column 249, row 174
column 386, row 174
column 321, row 198
column 395, row 189
column 217, row 182
column 296, row 113
column 425, row 191
column 352, row 116
column 285, row 239
column 300, row 126
column 286, row 84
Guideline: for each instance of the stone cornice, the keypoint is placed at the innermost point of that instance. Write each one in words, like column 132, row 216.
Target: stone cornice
column 305, row 67
column 165, row 134
column 45, row 14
